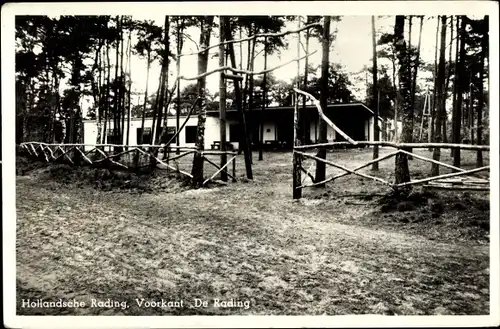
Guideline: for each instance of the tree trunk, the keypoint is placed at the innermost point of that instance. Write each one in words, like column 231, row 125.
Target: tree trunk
column 434, row 93
column 455, row 84
column 325, row 43
column 376, row 94
column 155, row 107
column 164, row 83
column 297, row 158
column 460, row 81
column 264, row 96
column 305, row 113
column 197, row 170
column 253, row 134
column 396, row 102
column 241, row 52
column 470, row 114
column 122, row 87
column 107, row 112
column 410, row 50
column 441, row 97
column 129, row 108
column 484, row 51
column 454, row 137
column 445, row 129
column 448, row 78
column 98, row 92
column 180, row 28
column 416, row 66
column 28, row 109
column 116, row 108
column 57, row 109
column 411, row 68
column 222, row 100
column 72, row 126
column 384, row 126
column 247, row 77
column 237, row 91
column 465, row 110
column 402, row 172
column 141, row 135
column 63, row 129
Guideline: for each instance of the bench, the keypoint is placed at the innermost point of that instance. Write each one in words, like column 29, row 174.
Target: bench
column 273, row 144
column 216, row 146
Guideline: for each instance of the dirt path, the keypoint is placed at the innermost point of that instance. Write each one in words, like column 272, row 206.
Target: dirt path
column 246, row 242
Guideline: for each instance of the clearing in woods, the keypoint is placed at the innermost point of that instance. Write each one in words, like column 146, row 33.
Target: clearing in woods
column 339, row 250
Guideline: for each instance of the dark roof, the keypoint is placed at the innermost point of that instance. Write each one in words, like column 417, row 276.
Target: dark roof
column 337, row 106
column 232, row 110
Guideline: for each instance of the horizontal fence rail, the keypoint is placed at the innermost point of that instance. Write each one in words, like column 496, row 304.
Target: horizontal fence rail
column 441, row 181
column 104, row 154
column 397, row 145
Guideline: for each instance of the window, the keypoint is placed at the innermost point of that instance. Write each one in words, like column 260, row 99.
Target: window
column 234, row 132
column 168, row 134
column 112, row 137
column 190, row 134
column 146, row 137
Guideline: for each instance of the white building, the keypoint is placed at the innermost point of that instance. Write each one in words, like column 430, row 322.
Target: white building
column 355, row 119
column 187, row 137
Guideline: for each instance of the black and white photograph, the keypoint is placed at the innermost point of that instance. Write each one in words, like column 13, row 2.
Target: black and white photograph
column 312, row 159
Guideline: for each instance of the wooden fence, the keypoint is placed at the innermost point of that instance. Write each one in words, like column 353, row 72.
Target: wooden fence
column 444, row 181
column 126, row 157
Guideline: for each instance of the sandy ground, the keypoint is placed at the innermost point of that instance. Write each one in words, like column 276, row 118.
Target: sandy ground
column 333, row 252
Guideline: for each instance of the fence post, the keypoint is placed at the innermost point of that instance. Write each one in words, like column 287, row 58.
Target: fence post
column 297, row 160
column 77, row 157
column 136, row 159
column 234, row 170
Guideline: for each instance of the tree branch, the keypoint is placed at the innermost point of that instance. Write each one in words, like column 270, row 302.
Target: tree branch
column 167, row 144
column 192, row 40
column 253, row 37
column 244, row 71
column 324, row 117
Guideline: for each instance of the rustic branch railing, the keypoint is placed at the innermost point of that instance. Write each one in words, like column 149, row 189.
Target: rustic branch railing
column 398, row 145
column 233, row 175
column 355, row 169
column 479, row 183
column 349, row 171
column 55, row 152
column 221, row 169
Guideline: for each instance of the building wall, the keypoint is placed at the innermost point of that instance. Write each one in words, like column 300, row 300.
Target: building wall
column 332, row 134
column 270, row 132
column 212, row 130
column 314, row 132
column 370, row 128
column 236, row 145
column 89, row 132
